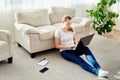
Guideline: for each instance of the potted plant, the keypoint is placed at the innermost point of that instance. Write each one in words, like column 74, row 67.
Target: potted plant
column 103, row 17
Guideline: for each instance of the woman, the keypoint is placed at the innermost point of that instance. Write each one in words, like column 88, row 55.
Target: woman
column 65, row 40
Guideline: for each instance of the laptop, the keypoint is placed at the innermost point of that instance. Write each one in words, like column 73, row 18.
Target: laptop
column 84, row 41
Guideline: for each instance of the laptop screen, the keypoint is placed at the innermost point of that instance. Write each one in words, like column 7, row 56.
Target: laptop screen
column 84, row 41
column 87, row 39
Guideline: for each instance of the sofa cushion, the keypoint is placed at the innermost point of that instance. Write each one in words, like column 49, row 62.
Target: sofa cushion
column 58, row 12
column 77, row 27
column 46, row 32
column 33, row 18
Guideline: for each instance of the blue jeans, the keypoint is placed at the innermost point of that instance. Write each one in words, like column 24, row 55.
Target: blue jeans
column 72, row 56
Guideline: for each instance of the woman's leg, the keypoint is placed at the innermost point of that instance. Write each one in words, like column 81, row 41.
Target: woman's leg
column 78, row 60
column 90, row 57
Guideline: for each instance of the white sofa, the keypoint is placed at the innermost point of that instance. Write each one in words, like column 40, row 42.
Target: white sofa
column 6, row 44
column 34, row 30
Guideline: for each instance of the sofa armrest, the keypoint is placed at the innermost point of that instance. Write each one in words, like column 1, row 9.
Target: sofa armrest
column 5, row 35
column 81, row 20
column 26, row 28
column 86, row 22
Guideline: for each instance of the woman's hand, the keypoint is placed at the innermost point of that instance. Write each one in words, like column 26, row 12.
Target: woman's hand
column 73, row 46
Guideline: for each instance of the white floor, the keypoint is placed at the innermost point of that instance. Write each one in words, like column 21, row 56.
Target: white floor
column 106, row 50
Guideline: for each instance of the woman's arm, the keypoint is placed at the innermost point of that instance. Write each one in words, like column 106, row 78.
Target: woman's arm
column 57, row 44
column 75, row 39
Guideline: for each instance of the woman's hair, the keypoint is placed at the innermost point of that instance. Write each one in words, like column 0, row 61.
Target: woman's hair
column 65, row 18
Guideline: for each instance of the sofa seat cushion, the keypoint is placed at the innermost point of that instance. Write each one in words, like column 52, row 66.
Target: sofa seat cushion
column 77, row 27
column 46, row 32
column 4, row 46
column 34, row 18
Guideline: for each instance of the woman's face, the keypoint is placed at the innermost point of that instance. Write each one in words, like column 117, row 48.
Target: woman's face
column 67, row 23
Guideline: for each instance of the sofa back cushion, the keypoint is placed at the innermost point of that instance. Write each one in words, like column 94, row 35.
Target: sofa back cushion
column 58, row 12
column 33, row 18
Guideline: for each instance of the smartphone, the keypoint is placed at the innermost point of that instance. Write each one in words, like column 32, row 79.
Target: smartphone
column 43, row 69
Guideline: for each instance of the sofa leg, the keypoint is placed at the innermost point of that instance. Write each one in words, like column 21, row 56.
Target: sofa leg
column 19, row 45
column 10, row 60
column 32, row 55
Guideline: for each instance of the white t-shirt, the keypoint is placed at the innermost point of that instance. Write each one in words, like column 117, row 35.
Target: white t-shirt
column 65, row 38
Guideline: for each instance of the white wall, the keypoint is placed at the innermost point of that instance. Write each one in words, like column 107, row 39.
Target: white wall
column 82, row 7
column 7, row 20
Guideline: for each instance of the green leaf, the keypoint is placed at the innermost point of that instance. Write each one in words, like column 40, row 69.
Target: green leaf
column 115, row 15
column 108, row 29
column 112, row 2
column 104, row 2
column 103, row 29
column 98, row 30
